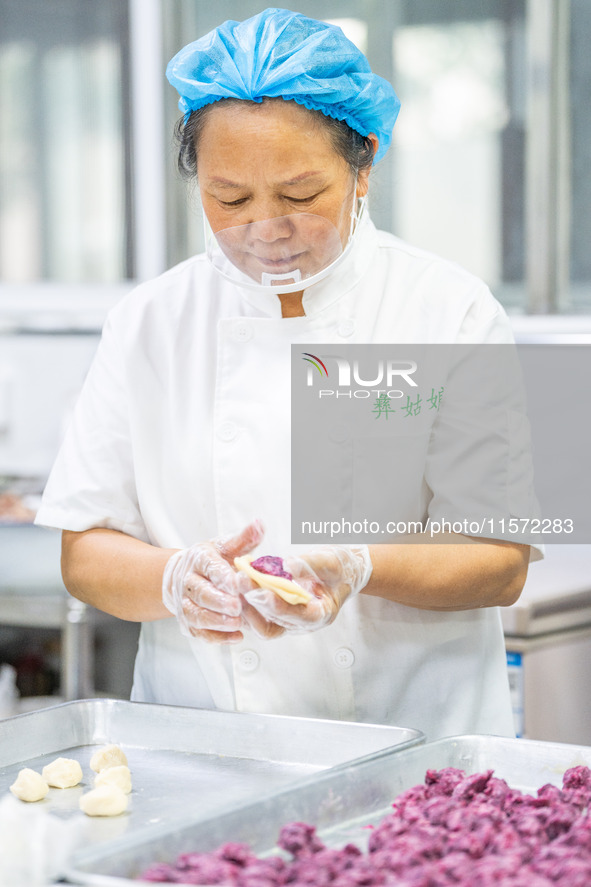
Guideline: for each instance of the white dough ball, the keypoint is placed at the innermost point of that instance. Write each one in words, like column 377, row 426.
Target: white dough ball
column 63, row 773
column 118, row 776
column 109, row 756
column 107, row 800
column 29, row 786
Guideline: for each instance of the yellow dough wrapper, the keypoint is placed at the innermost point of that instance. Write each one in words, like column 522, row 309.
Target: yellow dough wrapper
column 287, row 589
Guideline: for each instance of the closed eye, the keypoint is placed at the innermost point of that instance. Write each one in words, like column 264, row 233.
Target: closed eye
column 302, row 199
column 298, row 200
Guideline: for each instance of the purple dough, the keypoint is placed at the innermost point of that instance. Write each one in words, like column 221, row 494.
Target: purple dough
column 299, row 839
column 453, row 831
column 271, row 565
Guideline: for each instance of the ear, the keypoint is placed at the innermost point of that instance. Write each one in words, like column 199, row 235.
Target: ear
column 363, row 176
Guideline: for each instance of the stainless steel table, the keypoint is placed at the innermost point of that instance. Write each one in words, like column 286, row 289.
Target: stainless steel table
column 32, row 595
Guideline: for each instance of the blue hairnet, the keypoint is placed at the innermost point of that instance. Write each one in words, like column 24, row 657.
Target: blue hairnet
column 284, row 54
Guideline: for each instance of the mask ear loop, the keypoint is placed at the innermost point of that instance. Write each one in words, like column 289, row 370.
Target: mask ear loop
column 356, row 211
column 359, row 204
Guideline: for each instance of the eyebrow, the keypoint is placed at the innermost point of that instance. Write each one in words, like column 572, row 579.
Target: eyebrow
column 228, row 183
column 303, row 176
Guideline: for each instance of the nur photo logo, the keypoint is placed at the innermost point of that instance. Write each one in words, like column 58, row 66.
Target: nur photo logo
column 349, row 374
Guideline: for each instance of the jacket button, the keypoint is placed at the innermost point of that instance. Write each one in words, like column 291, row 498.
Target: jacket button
column 248, row 660
column 227, row 431
column 344, row 658
column 242, row 332
column 346, row 328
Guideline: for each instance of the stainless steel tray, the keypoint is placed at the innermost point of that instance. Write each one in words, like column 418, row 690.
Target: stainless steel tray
column 341, row 802
column 186, row 763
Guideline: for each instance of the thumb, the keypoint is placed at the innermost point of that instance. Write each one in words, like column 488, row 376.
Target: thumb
column 322, row 563
column 243, row 542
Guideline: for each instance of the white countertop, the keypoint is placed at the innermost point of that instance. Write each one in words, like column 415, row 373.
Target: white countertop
column 30, row 559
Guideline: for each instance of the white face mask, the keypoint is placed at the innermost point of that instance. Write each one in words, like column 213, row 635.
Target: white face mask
column 280, row 255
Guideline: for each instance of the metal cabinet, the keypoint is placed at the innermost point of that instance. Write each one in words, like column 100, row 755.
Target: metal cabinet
column 548, row 641
column 32, row 595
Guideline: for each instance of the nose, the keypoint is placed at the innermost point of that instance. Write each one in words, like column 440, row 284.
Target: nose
column 270, row 230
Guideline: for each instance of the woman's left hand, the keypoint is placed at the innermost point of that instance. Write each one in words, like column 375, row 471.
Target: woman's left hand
column 331, row 573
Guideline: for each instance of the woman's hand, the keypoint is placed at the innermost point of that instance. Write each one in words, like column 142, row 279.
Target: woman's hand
column 331, row 573
column 202, row 589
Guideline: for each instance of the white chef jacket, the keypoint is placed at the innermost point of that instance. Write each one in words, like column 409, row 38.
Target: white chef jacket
column 182, row 433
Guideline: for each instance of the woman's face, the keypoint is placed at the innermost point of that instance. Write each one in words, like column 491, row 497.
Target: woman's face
column 272, row 183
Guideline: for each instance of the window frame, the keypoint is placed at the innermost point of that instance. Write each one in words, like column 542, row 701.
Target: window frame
column 52, row 306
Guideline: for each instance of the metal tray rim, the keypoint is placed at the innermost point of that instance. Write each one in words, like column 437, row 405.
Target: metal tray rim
column 97, row 712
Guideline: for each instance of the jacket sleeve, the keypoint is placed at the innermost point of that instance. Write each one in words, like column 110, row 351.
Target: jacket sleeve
column 480, row 465
column 92, row 483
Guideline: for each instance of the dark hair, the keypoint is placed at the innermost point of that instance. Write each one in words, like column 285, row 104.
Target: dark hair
column 356, row 150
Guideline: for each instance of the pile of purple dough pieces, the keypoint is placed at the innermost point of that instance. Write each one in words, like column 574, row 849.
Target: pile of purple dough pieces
column 466, row 831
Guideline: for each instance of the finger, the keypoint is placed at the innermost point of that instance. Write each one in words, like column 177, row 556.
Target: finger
column 290, row 616
column 322, row 565
column 218, row 637
column 244, row 583
column 208, row 562
column 243, row 542
column 267, row 603
column 199, row 618
column 257, row 622
column 203, row 593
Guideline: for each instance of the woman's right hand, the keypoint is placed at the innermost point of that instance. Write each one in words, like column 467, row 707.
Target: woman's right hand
column 201, row 587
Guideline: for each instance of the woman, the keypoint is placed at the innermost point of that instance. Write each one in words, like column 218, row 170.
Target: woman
column 182, row 432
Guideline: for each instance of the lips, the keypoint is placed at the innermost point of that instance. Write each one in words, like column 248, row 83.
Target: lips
column 275, row 263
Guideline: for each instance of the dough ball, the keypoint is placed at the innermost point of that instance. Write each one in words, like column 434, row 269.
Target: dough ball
column 291, row 592
column 109, row 756
column 106, row 800
column 119, row 776
column 63, row 773
column 29, row 786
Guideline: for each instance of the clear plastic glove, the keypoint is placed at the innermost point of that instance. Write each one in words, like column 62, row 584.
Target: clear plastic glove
column 201, row 587
column 331, row 573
